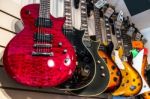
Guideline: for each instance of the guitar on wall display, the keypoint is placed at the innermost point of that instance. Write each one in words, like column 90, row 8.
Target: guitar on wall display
column 101, row 77
column 106, row 46
column 40, row 55
column 85, row 69
column 131, row 83
column 139, row 61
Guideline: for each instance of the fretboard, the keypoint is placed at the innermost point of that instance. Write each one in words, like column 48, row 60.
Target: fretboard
column 44, row 8
column 84, row 24
column 126, row 43
column 68, row 14
column 117, row 29
column 98, row 30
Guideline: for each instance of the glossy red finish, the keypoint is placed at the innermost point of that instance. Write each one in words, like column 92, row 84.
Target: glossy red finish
column 39, row 71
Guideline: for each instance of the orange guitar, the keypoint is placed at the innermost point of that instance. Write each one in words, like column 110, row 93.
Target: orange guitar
column 131, row 83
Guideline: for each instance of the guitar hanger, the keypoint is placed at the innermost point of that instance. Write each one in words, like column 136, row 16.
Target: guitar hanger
column 10, row 14
column 8, row 30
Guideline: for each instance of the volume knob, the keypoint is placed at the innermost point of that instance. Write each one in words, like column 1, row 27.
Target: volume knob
column 60, row 44
column 65, row 51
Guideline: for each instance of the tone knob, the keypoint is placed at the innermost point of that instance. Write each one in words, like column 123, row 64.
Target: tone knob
column 60, row 44
column 67, row 61
column 51, row 54
column 107, row 24
column 106, row 19
column 102, row 67
column 65, row 51
column 98, row 61
column 103, row 75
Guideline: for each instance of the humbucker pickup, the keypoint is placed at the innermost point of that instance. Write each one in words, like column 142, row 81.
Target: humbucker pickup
column 43, row 22
column 42, row 53
column 41, row 37
column 42, row 45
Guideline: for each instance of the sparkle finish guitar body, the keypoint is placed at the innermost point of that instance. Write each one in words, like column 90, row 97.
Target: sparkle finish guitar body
column 85, row 70
column 39, row 71
column 131, row 83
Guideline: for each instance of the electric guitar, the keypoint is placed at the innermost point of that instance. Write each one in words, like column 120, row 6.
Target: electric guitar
column 105, row 46
column 85, row 69
column 102, row 76
column 139, row 58
column 139, row 61
column 131, row 83
column 40, row 55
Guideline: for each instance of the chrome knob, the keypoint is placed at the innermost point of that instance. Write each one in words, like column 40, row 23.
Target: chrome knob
column 60, row 44
column 65, row 51
column 103, row 75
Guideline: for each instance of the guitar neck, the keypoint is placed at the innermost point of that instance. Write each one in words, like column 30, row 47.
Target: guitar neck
column 84, row 23
column 126, row 43
column 108, row 30
column 68, row 14
column 117, row 29
column 98, row 30
column 44, row 10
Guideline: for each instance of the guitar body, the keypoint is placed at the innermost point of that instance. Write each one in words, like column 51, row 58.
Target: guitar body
column 85, row 69
column 131, row 83
column 115, row 74
column 101, row 78
column 39, row 71
column 146, row 95
column 140, row 64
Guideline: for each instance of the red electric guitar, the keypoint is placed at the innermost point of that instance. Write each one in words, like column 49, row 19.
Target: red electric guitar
column 40, row 55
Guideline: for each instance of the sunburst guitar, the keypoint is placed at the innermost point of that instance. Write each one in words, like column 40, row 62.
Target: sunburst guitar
column 106, row 49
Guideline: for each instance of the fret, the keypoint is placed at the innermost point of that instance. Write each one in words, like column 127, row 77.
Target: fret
column 84, row 24
column 44, row 8
column 68, row 14
column 107, row 27
column 126, row 43
column 98, row 30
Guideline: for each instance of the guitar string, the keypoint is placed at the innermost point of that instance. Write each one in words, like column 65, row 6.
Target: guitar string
column 38, row 22
column 46, row 24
